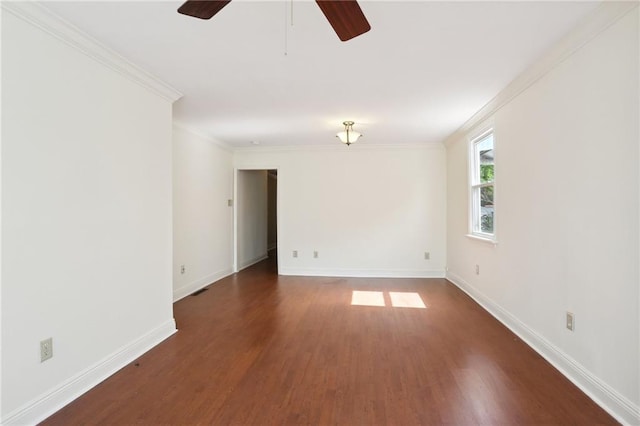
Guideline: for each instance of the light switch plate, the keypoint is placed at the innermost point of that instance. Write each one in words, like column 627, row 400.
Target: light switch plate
column 570, row 321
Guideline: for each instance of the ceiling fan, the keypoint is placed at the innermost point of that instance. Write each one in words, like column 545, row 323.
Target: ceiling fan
column 345, row 16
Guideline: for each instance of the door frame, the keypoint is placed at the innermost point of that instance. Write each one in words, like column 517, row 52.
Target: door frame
column 236, row 171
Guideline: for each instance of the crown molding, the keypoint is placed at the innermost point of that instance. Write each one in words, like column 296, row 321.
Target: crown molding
column 608, row 13
column 338, row 147
column 42, row 18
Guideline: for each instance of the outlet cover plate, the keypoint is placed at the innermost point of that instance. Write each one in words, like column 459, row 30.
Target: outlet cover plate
column 46, row 349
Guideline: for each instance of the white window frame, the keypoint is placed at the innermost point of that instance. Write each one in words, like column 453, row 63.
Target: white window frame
column 475, row 230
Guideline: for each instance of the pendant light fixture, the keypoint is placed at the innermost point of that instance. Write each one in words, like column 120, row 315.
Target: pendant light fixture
column 348, row 136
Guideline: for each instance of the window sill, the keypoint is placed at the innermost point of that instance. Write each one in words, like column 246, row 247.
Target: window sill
column 487, row 240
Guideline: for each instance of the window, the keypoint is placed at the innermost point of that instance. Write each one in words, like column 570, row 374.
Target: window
column 482, row 183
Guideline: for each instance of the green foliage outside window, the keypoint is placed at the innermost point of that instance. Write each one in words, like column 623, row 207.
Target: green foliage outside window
column 486, row 197
column 486, row 173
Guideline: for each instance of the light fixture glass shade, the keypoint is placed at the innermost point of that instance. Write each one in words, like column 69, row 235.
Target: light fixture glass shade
column 348, row 137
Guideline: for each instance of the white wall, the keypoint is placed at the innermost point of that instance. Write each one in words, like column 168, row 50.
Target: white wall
column 251, row 202
column 368, row 211
column 202, row 219
column 86, row 220
column 567, row 217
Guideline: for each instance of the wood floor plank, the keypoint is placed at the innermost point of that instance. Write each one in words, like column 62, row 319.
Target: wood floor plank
column 259, row 349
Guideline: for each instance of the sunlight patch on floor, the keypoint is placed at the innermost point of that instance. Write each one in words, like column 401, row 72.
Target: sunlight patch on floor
column 367, row 298
column 406, row 300
column 398, row 299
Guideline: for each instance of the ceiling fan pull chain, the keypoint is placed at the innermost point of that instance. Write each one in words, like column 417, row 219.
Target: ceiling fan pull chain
column 286, row 30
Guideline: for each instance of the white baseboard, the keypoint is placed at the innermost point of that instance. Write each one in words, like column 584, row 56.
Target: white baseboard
column 363, row 273
column 623, row 410
column 48, row 403
column 196, row 285
column 247, row 263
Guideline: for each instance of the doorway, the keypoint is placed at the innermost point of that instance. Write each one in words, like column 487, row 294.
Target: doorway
column 255, row 217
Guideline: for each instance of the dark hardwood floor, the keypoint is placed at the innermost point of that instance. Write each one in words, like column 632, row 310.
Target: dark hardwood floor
column 256, row 348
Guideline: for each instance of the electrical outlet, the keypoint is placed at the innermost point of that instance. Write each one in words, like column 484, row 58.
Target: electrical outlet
column 315, row 254
column 46, row 349
column 182, row 269
column 295, row 253
column 570, row 321
column 427, row 255
column 477, row 269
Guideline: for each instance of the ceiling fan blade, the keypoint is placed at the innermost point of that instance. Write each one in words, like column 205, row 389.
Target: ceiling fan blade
column 203, row 9
column 346, row 17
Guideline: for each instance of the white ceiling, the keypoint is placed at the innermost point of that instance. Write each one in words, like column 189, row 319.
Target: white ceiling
column 248, row 75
